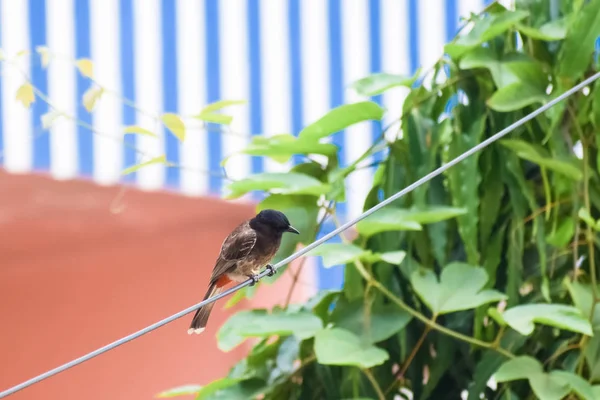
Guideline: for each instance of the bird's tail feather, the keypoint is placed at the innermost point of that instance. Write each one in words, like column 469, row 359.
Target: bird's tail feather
column 201, row 317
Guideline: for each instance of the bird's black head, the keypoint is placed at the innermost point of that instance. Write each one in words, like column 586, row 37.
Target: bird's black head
column 276, row 220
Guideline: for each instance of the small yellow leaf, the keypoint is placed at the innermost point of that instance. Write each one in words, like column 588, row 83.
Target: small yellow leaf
column 175, row 125
column 91, row 96
column 49, row 118
column 22, row 53
column 86, row 67
column 45, row 54
column 156, row 160
column 2, row 57
column 139, row 130
column 25, row 94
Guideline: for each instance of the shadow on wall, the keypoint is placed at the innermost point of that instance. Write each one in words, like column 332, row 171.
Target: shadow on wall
column 75, row 277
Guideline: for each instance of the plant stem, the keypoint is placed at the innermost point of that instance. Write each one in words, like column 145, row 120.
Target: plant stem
column 415, row 349
column 589, row 232
column 373, row 381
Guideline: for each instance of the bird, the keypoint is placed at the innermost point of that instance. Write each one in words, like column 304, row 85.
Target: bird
column 249, row 247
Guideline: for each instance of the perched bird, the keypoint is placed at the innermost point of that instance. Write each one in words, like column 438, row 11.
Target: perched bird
column 249, row 247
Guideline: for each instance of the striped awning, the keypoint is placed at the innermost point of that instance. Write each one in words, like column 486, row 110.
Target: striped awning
column 291, row 60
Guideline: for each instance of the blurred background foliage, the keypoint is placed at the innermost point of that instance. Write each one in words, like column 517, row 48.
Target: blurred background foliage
column 480, row 284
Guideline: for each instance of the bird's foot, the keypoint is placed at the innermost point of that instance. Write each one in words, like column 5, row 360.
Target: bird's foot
column 272, row 271
column 254, row 278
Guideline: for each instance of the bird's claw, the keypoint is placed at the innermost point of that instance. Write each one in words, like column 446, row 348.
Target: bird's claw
column 254, row 279
column 272, row 271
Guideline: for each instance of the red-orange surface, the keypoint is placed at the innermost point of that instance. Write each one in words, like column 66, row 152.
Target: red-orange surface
column 75, row 276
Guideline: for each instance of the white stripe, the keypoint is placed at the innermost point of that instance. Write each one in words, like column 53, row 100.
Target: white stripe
column 314, row 42
column 147, row 52
column 107, row 116
column 16, row 120
column 358, row 137
column 275, row 70
column 394, row 56
column 432, row 35
column 191, row 73
column 233, row 35
column 61, row 87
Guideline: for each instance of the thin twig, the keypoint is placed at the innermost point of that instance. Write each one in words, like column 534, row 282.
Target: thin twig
column 373, row 381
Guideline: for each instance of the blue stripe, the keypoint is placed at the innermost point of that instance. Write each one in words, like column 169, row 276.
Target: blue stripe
column 375, row 56
column 82, row 50
column 213, row 88
column 451, row 19
column 336, row 72
column 41, row 140
column 329, row 278
column 296, row 69
column 413, row 35
column 169, row 58
column 255, row 78
column 128, row 83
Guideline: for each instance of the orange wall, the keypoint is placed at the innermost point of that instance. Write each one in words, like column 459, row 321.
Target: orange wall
column 74, row 276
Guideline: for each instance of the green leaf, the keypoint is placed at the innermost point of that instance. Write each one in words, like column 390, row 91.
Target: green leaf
column 45, row 55
column 563, row 233
column 516, row 96
column 138, row 130
column 91, row 96
column 582, row 296
column 49, row 118
column 208, row 113
column 460, row 288
column 575, row 382
column 338, row 346
column 385, row 220
column 180, row 391
column 216, row 386
column 554, row 385
column 86, row 67
column 384, row 320
column 378, row 83
column 521, row 367
column 485, row 57
column 392, row 257
column 341, row 117
column 338, row 253
column 397, row 219
column 175, row 125
column 278, row 182
column 578, row 47
column 463, row 184
column 522, row 318
column 528, row 152
column 550, row 31
column 484, row 29
column 282, row 147
column 156, row 160
column 585, row 216
column 260, row 323
column 25, row 94
column 525, row 367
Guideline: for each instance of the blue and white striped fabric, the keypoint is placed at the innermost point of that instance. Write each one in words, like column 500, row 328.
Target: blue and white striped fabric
column 291, row 59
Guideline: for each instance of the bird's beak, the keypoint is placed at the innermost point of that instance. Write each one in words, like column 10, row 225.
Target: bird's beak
column 292, row 230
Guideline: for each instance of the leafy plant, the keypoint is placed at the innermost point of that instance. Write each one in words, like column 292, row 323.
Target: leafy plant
column 480, row 283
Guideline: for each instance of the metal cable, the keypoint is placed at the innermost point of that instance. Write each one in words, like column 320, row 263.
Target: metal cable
column 310, row 247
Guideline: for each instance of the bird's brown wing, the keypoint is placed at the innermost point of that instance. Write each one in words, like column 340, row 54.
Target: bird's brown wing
column 235, row 247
